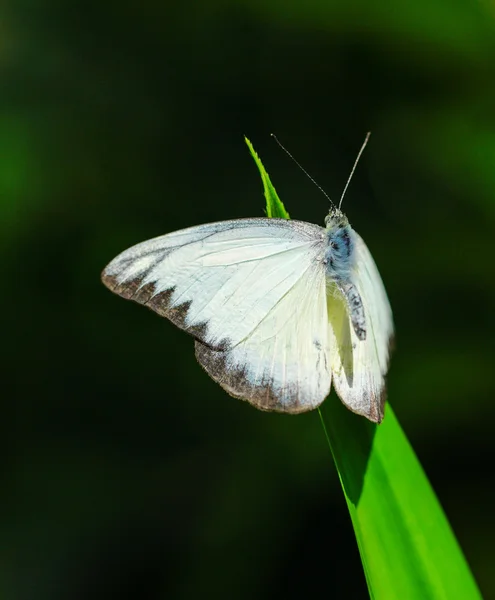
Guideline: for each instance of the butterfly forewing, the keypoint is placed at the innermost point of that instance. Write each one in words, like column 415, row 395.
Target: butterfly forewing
column 220, row 280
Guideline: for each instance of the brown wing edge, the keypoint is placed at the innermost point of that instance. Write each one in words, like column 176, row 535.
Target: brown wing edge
column 236, row 384
column 376, row 402
column 159, row 303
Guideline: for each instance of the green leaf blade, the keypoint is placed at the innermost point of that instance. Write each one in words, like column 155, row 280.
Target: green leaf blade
column 274, row 206
column 406, row 544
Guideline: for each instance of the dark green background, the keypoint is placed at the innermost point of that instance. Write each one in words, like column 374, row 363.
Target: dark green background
column 127, row 473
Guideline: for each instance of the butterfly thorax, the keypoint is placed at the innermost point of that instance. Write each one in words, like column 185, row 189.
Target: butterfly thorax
column 339, row 254
column 339, row 263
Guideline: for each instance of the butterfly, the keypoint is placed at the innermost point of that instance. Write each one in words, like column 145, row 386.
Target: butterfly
column 280, row 309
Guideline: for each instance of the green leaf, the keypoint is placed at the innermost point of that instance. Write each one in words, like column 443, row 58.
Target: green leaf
column 407, row 547
column 406, row 544
column 274, row 206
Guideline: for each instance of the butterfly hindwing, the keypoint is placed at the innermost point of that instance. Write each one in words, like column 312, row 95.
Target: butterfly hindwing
column 282, row 365
column 359, row 366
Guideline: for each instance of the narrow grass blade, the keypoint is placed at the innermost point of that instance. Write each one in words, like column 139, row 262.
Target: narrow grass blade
column 407, row 547
column 274, row 206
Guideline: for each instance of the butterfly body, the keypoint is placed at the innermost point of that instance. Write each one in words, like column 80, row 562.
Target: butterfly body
column 279, row 308
column 339, row 262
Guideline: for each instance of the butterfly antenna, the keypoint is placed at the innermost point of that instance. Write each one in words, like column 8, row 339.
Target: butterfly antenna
column 302, row 168
column 354, row 167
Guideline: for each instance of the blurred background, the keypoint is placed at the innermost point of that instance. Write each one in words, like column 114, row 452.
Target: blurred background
column 128, row 473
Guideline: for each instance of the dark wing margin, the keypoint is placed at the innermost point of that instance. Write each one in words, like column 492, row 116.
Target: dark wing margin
column 159, row 303
column 176, row 273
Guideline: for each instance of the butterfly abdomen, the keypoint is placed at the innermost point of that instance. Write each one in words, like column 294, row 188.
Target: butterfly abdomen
column 355, row 307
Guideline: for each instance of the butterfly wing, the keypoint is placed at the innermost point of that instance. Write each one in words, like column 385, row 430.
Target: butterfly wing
column 252, row 292
column 359, row 366
column 282, row 365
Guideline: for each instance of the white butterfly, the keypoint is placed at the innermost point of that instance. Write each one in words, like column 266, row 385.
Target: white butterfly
column 279, row 308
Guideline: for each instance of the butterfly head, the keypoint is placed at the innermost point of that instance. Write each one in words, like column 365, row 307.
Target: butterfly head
column 336, row 220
